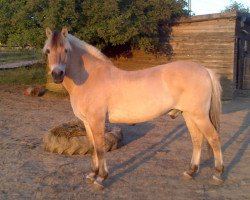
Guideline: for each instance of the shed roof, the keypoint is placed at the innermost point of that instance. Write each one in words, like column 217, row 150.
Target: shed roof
column 216, row 16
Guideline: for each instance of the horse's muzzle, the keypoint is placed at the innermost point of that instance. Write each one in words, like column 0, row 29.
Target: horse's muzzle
column 57, row 75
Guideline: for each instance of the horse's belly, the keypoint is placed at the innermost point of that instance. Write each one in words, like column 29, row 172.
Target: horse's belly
column 138, row 112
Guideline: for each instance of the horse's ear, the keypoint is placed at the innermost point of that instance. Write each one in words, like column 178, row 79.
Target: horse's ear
column 64, row 31
column 48, row 32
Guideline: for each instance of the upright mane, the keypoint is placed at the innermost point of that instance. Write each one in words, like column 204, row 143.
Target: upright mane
column 87, row 47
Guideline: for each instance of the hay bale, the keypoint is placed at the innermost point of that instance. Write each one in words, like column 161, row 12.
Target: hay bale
column 70, row 138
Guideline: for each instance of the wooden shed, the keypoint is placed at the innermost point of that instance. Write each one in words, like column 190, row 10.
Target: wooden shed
column 218, row 41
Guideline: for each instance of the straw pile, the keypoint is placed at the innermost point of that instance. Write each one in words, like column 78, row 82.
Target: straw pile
column 70, row 138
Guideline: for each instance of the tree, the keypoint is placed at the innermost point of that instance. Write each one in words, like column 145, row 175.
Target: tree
column 143, row 24
column 235, row 6
column 22, row 22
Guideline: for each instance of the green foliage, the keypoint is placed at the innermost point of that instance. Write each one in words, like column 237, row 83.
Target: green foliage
column 143, row 24
column 235, row 6
column 35, row 74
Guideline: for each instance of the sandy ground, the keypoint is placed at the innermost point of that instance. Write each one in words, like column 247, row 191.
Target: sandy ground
column 148, row 166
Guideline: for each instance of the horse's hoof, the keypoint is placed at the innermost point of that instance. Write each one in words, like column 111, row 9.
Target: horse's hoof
column 90, row 179
column 217, row 180
column 98, row 186
column 187, row 176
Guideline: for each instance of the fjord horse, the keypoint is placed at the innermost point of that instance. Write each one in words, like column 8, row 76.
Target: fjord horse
column 98, row 89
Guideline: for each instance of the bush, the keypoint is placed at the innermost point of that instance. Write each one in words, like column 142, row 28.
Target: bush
column 143, row 24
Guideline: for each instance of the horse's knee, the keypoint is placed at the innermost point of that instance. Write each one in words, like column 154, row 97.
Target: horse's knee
column 214, row 140
column 197, row 141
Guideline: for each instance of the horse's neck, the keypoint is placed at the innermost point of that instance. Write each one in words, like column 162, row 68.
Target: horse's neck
column 75, row 72
column 81, row 66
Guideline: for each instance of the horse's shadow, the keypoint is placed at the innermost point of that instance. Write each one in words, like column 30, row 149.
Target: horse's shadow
column 135, row 131
column 141, row 157
column 232, row 106
column 244, row 145
column 242, row 148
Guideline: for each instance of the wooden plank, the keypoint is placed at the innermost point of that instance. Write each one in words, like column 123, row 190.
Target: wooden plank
column 199, row 28
column 220, row 25
column 24, row 63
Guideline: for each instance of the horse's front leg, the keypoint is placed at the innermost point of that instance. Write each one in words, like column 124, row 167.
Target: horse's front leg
column 95, row 132
column 94, row 160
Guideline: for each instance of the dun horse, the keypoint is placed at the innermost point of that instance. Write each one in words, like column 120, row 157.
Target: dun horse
column 98, row 89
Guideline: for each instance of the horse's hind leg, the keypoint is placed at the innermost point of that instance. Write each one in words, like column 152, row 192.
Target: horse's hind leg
column 197, row 139
column 204, row 124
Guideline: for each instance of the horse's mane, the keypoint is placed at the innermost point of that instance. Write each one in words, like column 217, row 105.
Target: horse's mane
column 86, row 47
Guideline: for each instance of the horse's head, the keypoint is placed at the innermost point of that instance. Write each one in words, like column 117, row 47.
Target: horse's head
column 57, row 49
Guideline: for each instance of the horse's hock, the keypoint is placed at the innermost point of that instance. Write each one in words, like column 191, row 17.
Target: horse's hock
column 70, row 138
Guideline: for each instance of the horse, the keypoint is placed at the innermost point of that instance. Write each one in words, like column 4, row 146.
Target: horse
column 98, row 91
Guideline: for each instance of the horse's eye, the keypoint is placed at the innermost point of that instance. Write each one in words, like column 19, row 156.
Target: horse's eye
column 66, row 50
column 47, row 51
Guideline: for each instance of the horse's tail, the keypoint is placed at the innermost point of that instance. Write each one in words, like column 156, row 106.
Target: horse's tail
column 215, row 105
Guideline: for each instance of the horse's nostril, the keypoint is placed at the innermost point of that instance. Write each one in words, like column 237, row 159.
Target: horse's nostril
column 57, row 73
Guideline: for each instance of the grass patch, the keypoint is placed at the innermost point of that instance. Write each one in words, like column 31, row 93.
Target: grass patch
column 62, row 94
column 34, row 74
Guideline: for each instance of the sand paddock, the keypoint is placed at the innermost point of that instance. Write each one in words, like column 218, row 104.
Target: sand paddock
column 148, row 166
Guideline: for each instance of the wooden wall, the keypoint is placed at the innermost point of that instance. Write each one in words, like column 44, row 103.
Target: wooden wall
column 210, row 41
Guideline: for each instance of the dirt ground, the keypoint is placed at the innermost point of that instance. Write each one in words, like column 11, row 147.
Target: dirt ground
column 148, row 166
